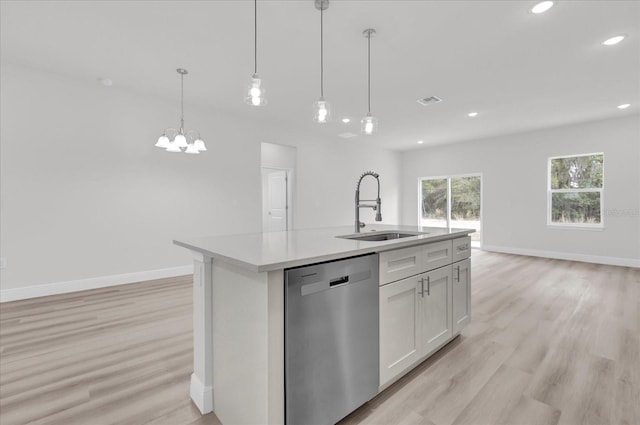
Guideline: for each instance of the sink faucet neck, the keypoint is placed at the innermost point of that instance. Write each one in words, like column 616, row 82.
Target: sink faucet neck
column 378, row 202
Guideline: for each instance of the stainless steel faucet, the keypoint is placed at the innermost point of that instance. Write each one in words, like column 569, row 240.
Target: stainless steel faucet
column 377, row 201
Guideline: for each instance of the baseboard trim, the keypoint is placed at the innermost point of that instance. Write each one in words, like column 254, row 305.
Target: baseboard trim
column 15, row 294
column 612, row 261
column 201, row 396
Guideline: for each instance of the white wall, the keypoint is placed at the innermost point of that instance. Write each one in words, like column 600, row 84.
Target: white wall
column 327, row 178
column 84, row 193
column 514, row 188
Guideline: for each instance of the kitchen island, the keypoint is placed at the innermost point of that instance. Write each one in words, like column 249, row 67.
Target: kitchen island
column 238, row 304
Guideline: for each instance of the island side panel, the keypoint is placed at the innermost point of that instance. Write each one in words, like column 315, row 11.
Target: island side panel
column 240, row 344
column 276, row 347
column 201, row 388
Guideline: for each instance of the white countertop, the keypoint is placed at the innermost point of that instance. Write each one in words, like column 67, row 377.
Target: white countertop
column 263, row 252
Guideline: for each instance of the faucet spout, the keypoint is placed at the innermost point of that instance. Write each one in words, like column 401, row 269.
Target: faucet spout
column 378, row 202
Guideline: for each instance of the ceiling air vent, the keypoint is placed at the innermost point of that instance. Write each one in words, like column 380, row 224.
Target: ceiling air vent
column 429, row 100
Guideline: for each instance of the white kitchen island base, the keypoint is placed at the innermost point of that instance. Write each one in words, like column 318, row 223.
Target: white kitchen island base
column 238, row 308
column 238, row 341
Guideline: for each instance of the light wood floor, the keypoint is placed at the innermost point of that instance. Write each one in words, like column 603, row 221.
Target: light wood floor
column 551, row 342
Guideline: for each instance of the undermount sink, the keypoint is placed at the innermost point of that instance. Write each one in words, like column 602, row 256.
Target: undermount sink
column 381, row 236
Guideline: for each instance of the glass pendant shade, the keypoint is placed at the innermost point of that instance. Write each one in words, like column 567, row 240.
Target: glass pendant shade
column 255, row 92
column 163, row 142
column 321, row 111
column 199, row 144
column 192, row 149
column 180, row 141
column 369, row 124
column 173, row 147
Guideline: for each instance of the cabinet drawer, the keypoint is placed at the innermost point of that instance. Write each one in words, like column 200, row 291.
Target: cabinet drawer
column 400, row 263
column 461, row 248
column 436, row 255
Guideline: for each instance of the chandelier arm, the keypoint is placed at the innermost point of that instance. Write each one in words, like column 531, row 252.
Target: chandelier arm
column 170, row 130
column 191, row 132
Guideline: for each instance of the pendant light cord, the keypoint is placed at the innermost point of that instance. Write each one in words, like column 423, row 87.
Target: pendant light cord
column 255, row 36
column 369, row 71
column 181, row 102
column 321, row 50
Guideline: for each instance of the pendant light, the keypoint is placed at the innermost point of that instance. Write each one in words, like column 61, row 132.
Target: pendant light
column 369, row 124
column 321, row 108
column 180, row 141
column 255, row 92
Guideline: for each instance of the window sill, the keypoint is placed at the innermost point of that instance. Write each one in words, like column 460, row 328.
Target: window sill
column 576, row 227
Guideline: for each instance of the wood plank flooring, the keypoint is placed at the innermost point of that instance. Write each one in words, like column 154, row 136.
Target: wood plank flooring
column 550, row 342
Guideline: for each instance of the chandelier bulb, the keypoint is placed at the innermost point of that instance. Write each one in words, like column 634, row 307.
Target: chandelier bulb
column 163, row 141
column 199, row 144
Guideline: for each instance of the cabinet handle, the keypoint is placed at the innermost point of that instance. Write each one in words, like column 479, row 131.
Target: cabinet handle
column 463, row 247
column 458, row 269
column 422, row 287
column 428, row 285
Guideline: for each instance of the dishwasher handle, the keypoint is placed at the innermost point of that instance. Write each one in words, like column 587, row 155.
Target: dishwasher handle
column 339, row 281
column 321, row 284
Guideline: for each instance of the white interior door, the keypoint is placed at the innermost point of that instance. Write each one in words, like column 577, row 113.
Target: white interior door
column 276, row 196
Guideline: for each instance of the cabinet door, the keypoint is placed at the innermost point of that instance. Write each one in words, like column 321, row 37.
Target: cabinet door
column 435, row 311
column 399, row 327
column 400, row 263
column 461, row 295
column 437, row 254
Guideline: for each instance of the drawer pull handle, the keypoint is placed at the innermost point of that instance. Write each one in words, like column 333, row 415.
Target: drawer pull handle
column 463, row 247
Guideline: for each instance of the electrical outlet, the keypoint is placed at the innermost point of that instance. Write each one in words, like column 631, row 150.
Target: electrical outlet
column 3, row 262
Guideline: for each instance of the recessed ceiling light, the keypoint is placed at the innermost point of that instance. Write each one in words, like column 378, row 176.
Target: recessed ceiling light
column 346, row 120
column 420, row 142
column 624, row 106
column 107, row 82
column 472, row 114
column 347, row 135
column 613, row 40
column 542, row 7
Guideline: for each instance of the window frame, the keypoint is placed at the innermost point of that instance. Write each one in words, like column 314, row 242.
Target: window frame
column 448, row 178
column 550, row 192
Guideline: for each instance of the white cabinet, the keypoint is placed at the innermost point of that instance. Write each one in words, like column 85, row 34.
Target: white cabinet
column 435, row 310
column 425, row 301
column 461, row 294
column 415, row 319
column 399, row 327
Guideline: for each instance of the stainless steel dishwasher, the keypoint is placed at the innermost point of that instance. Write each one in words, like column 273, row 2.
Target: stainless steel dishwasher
column 331, row 339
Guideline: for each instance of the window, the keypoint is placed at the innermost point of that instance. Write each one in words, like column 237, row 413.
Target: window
column 451, row 202
column 575, row 190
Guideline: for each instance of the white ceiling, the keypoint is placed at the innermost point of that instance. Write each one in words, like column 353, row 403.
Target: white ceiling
column 520, row 71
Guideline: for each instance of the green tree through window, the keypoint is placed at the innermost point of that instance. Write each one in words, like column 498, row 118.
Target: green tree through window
column 575, row 190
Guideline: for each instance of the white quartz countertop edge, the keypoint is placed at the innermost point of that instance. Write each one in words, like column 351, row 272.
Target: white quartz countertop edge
column 264, row 252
